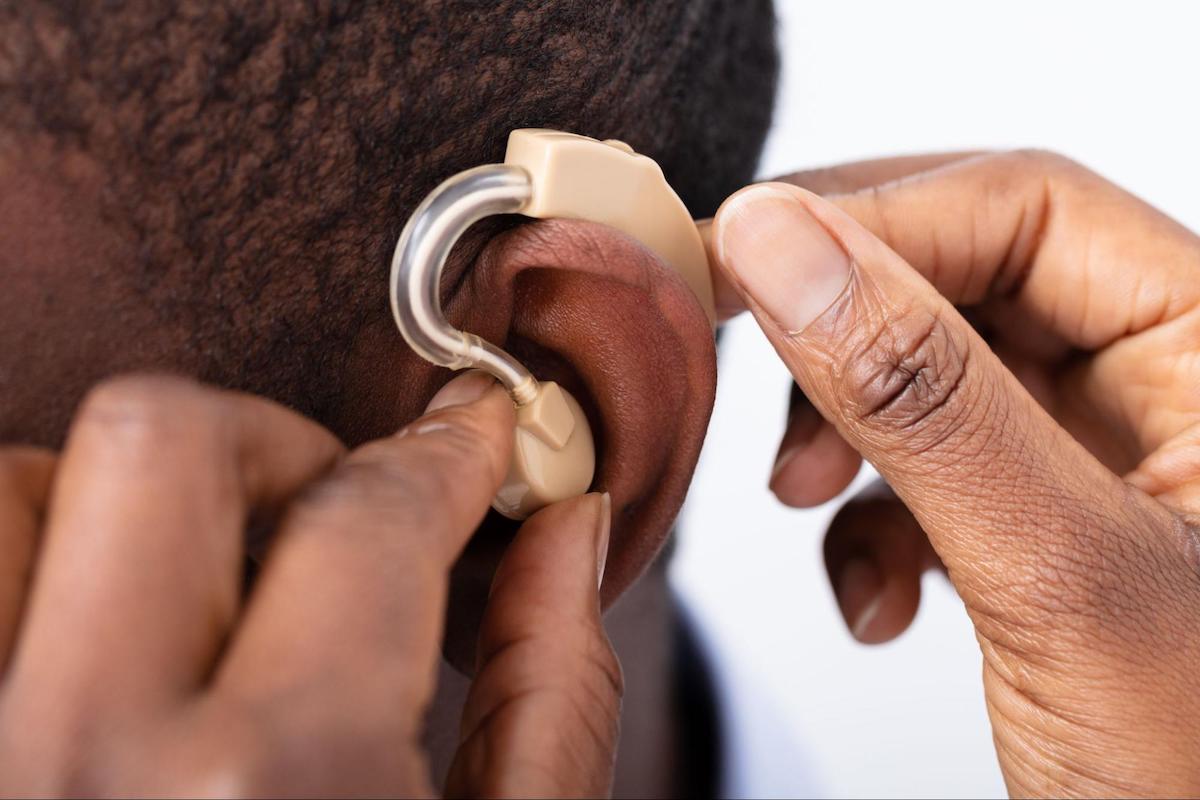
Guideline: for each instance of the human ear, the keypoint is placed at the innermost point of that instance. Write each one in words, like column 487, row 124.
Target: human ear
column 594, row 310
column 588, row 307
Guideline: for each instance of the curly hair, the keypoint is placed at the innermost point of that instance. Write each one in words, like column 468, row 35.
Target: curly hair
column 264, row 153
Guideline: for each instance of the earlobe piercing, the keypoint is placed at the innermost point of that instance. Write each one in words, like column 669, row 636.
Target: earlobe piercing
column 545, row 174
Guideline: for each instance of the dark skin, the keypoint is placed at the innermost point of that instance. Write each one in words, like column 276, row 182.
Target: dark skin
column 551, row 272
column 213, row 190
column 1044, row 457
column 135, row 665
column 238, row 175
column 1085, row 626
column 246, row 245
column 536, row 287
column 1081, row 590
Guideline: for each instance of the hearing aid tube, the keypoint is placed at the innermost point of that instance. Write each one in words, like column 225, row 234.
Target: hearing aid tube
column 546, row 174
column 421, row 256
column 553, row 453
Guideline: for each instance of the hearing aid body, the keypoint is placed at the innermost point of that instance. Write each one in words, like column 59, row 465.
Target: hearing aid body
column 574, row 177
column 546, row 174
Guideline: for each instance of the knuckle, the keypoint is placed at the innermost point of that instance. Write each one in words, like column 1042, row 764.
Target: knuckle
column 1061, row 175
column 140, row 408
column 235, row 775
column 1186, row 534
column 1044, row 161
column 244, row 770
column 907, row 374
column 386, row 484
column 251, row 758
column 365, row 491
column 601, row 654
column 462, row 434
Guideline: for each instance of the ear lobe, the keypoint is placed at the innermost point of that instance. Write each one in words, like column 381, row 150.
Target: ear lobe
column 585, row 305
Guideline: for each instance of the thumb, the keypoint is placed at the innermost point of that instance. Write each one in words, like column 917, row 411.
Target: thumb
column 909, row 384
column 541, row 719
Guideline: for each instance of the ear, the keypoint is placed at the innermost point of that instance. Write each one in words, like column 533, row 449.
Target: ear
column 596, row 311
column 584, row 305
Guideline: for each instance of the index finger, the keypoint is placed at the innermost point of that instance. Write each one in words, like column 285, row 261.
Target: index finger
column 1084, row 258
column 139, row 573
column 829, row 180
column 349, row 606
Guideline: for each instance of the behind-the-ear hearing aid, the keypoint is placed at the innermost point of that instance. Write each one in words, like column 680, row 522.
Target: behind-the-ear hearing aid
column 545, row 174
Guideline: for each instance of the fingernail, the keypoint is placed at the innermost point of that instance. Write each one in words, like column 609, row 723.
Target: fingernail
column 785, row 457
column 462, row 389
column 603, row 528
column 780, row 255
column 860, row 594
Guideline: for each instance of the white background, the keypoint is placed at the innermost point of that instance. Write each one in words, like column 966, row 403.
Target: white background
column 1113, row 86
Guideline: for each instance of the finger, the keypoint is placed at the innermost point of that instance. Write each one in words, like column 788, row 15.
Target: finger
column 911, row 386
column 1041, row 228
column 814, row 463
column 837, row 179
column 1169, row 474
column 1052, row 244
column 542, row 716
column 347, row 614
column 875, row 554
column 858, row 175
column 139, row 577
column 25, row 474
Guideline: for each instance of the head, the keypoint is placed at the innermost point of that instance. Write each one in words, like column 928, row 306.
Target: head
column 214, row 188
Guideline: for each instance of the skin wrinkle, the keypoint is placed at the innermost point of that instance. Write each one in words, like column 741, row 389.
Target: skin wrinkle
column 1046, row 208
column 1032, row 717
column 1006, row 279
column 1107, row 607
column 896, row 372
column 1104, row 604
column 931, row 380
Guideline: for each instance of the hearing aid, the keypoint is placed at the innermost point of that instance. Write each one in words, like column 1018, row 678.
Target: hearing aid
column 546, row 174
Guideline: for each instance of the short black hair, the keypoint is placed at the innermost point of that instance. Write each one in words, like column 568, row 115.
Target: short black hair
column 265, row 153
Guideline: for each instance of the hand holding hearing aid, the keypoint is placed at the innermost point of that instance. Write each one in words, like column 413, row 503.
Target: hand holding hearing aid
column 1048, row 456
column 135, row 664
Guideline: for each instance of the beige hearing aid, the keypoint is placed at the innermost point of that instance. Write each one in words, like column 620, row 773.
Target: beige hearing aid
column 545, row 174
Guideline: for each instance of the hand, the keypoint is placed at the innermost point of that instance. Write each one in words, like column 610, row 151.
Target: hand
column 133, row 663
column 1054, row 473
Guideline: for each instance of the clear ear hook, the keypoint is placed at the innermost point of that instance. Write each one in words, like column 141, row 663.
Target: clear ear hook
column 553, row 451
column 545, row 174
column 421, row 255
